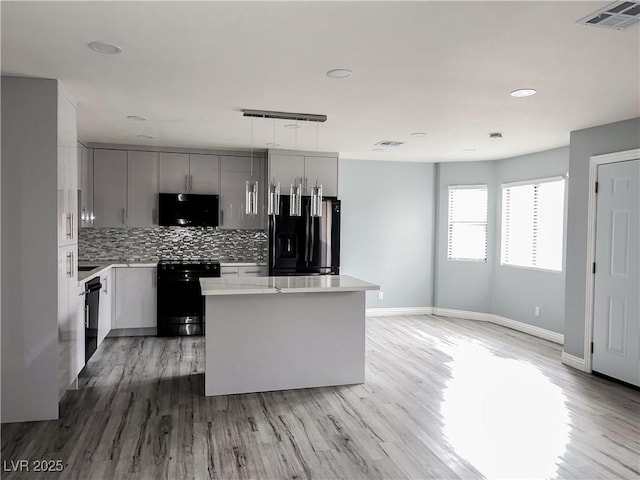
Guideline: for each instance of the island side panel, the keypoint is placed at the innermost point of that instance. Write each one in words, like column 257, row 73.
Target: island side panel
column 258, row 343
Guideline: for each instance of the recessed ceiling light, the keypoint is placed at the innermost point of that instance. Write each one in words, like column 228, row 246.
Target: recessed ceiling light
column 523, row 92
column 271, row 144
column 469, row 150
column 136, row 117
column 146, row 136
column 419, row 134
column 292, row 125
column 377, row 149
column 339, row 73
column 105, row 48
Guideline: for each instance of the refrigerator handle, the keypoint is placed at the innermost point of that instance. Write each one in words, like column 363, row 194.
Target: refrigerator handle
column 306, row 243
column 272, row 224
column 313, row 239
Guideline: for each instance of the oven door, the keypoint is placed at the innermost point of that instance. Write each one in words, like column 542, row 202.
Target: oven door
column 180, row 299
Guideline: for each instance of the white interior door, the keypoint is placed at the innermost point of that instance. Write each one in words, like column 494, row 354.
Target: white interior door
column 616, row 318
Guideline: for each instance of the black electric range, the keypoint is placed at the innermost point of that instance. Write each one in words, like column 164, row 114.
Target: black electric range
column 180, row 300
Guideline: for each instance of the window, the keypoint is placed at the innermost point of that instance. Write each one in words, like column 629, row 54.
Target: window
column 467, row 223
column 532, row 224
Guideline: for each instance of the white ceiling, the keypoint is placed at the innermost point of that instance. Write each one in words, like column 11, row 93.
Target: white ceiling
column 445, row 68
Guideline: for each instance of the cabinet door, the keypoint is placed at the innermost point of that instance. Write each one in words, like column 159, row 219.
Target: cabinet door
column 204, row 174
column 325, row 170
column 109, row 187
column 254, row 271
column 285, row 169
column 234, row 173
column 85, row 182
column 67, row 172
column 104, row 307
column 142, row 189
column 136, row 297
column 174, row 172
column 70, row 318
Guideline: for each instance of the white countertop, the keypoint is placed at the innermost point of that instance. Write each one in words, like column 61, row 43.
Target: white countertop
column 102, row 265
column 272, row 285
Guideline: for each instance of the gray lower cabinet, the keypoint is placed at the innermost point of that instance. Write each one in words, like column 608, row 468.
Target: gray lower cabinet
column 243, row 271
column 136, row 297
column 105, row 305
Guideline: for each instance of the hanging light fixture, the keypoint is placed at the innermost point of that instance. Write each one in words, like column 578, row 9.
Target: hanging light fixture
column 251, row 187
column 273, row 206
column 316, row 191
column 273, row 197
column 295, row 190
column 295, row 198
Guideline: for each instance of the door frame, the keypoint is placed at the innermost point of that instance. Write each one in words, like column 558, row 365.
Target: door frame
column 594, row 162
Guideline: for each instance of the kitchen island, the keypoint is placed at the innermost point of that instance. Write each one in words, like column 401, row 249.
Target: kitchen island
column 280, row 333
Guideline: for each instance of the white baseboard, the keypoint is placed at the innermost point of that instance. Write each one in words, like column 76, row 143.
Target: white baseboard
column 383, row 312
column 573, row 361
column 503, row 321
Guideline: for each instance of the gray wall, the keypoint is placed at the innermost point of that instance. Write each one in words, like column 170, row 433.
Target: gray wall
column 507, row 291
column 610, row 138
column 387, row 229
column 463, row 285
column 517, row 291
column 29, row 250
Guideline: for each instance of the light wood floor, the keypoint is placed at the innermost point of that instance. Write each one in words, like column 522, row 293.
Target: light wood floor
column 443, row 398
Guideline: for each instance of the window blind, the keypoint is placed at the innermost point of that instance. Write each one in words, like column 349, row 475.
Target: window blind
column 467, row 229
column 532, row 224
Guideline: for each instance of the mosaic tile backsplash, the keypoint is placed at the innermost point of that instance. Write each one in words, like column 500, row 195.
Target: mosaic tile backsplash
column 172, row 243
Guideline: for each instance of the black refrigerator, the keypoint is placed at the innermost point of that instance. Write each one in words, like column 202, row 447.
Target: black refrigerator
column 305, row 245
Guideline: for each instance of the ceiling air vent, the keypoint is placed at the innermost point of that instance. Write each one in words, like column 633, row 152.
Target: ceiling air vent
column 617, row 16
column 389, row 143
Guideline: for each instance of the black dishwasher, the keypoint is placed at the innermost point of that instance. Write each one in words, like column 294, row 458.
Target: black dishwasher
column 91, row 303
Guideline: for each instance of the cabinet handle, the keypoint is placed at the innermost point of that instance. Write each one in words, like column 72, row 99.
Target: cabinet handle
column 190, row 183
column 221, row 217
column 154, row 216
column 186, row 183
column 86, row 316
column 73, row 222
column 67, row 225
column 124, row 216
column 68, row 264
column 73, row 264
column 106, row 285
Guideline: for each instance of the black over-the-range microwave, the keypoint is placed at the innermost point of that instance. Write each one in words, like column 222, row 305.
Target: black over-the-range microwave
column 187, row 210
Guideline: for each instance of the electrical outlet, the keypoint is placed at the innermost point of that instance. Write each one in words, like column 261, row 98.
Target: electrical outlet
column 536, row 311
column 380, row 295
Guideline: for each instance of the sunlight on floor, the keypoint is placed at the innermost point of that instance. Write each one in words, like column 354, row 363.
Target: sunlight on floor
column 503, row 415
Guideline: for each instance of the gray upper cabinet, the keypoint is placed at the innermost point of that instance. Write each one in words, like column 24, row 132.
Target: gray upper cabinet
column 285, row 169
column 325, row 171
column 174, row 172
column 234, row 173
column 204, row 174
column 85, row 182
column 189, row 173
column 110, row 187
column 142, row 189
column 286, row 166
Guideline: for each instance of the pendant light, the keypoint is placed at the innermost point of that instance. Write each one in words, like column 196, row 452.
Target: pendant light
column 316, row 191
column 273, row 206
column 251, row 187
column 295, row 190
column 273, row 198
column 295, row 198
